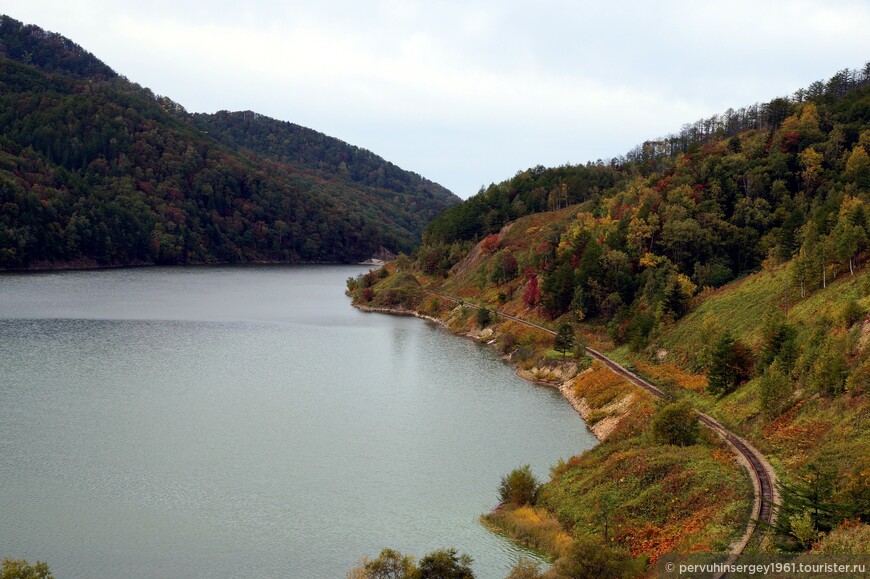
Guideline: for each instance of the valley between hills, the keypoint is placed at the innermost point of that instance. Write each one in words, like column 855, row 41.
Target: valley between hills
column 707, row 287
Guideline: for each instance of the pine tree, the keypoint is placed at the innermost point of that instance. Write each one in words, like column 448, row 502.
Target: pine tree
column 564, row 339
column 730, row 366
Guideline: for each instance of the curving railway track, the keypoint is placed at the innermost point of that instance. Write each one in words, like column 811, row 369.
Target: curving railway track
column 760, row 472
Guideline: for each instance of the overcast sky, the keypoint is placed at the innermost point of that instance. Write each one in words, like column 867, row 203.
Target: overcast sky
column 469, row 92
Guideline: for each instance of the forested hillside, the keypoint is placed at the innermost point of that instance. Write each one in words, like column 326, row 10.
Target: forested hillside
column 96, row 170
column 781, row 180
column 412, row 197
column 727, row 264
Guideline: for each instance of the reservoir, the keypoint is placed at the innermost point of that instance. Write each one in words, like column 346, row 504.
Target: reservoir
column 247, row 421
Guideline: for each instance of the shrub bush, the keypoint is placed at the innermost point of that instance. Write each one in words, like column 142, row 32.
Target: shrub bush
column 445, row 564
column 775, row 391
column 676, row 424
column 520, row 487
column 483, row 317
column 507, row 342
column 525, row 569
column 851, row 313
column 21, row 569
column 589, row 558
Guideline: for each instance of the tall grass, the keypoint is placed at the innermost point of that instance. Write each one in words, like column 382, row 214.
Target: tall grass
column 531, row 527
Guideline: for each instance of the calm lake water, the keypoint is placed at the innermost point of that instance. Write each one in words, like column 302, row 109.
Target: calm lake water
column 246, row 421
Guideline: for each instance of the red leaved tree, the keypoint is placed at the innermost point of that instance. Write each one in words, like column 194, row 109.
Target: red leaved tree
column 532, row 295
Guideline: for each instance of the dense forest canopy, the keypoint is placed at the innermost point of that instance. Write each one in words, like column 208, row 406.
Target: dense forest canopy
column 96, row 170
column 543, row 189
column 49, row 51
column 768, row 183
column 411, row 198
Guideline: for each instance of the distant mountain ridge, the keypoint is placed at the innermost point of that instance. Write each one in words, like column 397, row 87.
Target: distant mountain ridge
column 96, row 170
column 308, row 150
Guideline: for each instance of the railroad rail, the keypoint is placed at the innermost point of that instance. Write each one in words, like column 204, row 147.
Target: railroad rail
column 760, row 472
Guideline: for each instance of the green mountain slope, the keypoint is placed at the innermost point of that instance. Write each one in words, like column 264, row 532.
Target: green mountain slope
column 730, row 269
column 381, row 188
column 95, row 170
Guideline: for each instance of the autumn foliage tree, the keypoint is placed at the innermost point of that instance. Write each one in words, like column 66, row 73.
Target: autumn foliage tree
column 490, row 244
column 21, row 569
column 532, row 295
column 504, row 268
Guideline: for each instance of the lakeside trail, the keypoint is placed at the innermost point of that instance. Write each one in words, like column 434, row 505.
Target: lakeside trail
column 761, row 473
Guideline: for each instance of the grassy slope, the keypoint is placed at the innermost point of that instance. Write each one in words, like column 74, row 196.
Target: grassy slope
column 833, row 431
column 741, row 306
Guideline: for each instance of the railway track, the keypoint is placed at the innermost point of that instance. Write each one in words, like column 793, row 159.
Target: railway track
column 760, row 472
